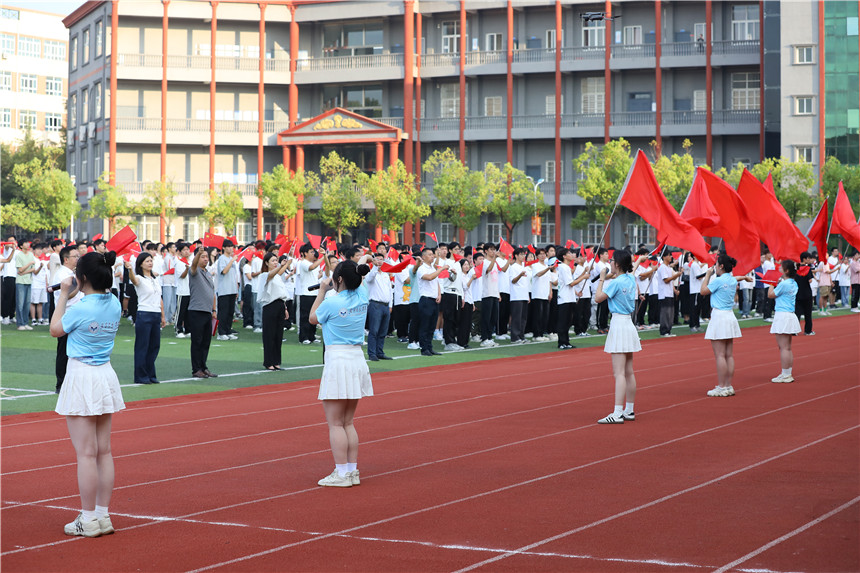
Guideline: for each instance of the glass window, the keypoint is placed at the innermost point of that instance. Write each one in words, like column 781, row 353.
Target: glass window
column 593, row 94
column 85, row 41
column 745, row 90
column 97, row 101
column 30, row 47
column 28, row 83
column 594, row 34
column 549, row 105
column 804, row 54
column 53, row 121
column 85, row 106
column 493, row 106
column 100, row 32
column 803, row 153
column 547, row 230
column 72, row 107
column 54, row 86
column 7, row 44
column 451, row 37
column 493, row 42
column 594, row 234
column 549, row 172
column 352, row 39
column 5, row 117
column 494, row 232
column 639, row 234
column 10, row 14
column 745, row 22
column 84, row 165
column 73, row 165
column 55, row 50
column 804, row 105
column 6, row 81
column 73, row 54
column 97, row 161
column 632, row 35
column 699, row 101
column 450, row 100
column 26, row 118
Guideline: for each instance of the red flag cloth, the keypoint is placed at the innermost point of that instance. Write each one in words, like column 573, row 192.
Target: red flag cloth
column 169, row 272
column 817, row 232
column 121, row 240
column 97, row 237
column 676, row 255
column 132, row 249
column 268, row 235
column 570, row 243
column 393, row 254
column 213, row 240
column 530, row 263
column 386, row 238
column 234, row 240
column 388, row 268
column 771, row 277
column 285, row 248
column 479, row 270
column 531, row 249
column 803, row 270
column 247, row 253
column 331, row 246
column 842, row 220
column 432, row 236
column 698, row 209
column 773, row 224
column 90, row 249
column 47, row 257
column 314, row 240
column 193, row 247
column 444, row 274
column 734, row 224
column 281, row 239
column 373, row 244
column 645, row 264
column 589, row 254
column 457, row 258
column 505, row 248
column 642, row 195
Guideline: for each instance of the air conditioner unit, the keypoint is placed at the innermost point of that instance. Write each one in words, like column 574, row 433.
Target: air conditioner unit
column 82, row 133
column 90, row 192
column 91, row 129
column 70, row 137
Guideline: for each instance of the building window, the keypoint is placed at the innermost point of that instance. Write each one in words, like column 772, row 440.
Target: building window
column 364, row 100
column 549, row 105
column 28, row 83
column 494, row 232
column 550, row 38
column 53, row 121
column 100, row 32
column 149, row 228
column 7, row 44
column 30, row 47
column 26, row 119
column 594, row 233
column 55, row 50
column 639, row 234
column 97, row 161
column 745, row 161
column 10, row 14
column 85, row 106
column 189, row 227
column 804, row 105
column 72, row 165
column 85, row 45
column 97, row 101
column 547, row 230
column 73, row 54
column 745, row 90
column 493, row 106
column 72, row 107
column 54, row 86
column 593, row 95
column 804, row 54
column 451, row 37
column 351, row 39
column 803, row 153
column 446, row 232
column 84, row 164
column 5, row 117
column 593, row 34
column 549, row 172
column 744, row 22
column 493, row 43
column 699, row 101
column 5, row 81
column 450, row 99
column 632, row 35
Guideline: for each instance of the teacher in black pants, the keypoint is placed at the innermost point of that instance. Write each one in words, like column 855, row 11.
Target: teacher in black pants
column 202, row 310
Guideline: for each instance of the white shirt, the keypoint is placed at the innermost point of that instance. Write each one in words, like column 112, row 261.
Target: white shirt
column 696, row 269
column 467, row 290
column 566, row 293
column 256, row 267
column 428, row 288
column 583, row 289
column 540, row 284
column 477, row 286
column 53, row 266
column 62, row 274
column 521, row 289
column 169, row 262
column 505, row 281
column 450, row 284
column 158, row 268
column 182, row 288
column 664, row 289
column 148, row 294
column 490, row 287
column 378, row 285
column 307, row 277
column 272, row 289
column 9, row 269
column 401, row 288
column 40, row 278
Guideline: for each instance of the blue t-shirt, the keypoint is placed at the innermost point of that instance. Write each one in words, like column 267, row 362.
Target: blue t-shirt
column 723, row 290
column 414, row 295
column 622, row 294
column 786, row 293
column 342, row 316
column 91, row 325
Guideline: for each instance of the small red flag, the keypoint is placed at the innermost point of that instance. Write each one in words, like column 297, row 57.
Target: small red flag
column 842, row 220
column 234, row 240
column 444, row 274
column 281, row 239
column 817, row 232
column 432, row 236
column 479, row 270
column 530, row 263
column 285, row 248
column 505, row 248
column 373, row 244
column 314, row 240
column 121, row 240
column 213, row 240
column 771, row 277
column 97, row 237
column 457, row 258
column 247, row 253
column 386, row 238
column 268, row 235
column 803, row 270
column 331, row 246
column 393, row 254
column 388, row 268
column 531, row 249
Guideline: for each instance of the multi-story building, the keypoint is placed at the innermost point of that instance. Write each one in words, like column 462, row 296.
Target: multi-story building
column 208, row 92
column 33, row 74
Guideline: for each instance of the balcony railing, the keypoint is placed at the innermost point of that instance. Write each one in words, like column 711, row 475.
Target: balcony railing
column 575, row 53
column 745, row 116
column 721, row 116
column 482, row 58
column 352, row 62
column 230, row 63
column 438, row 60
column 627, row 51
column 202, row 62
column 202, row 125
column 732, row 47
column 139, row 60
column 189, row 62
column 392, row 121
column 633, row 118
column 184, row 188
column 138, row 123
column 533, row 55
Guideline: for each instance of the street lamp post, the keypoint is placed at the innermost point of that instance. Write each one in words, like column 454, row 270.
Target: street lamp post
column 72, row 224
column 537, row 186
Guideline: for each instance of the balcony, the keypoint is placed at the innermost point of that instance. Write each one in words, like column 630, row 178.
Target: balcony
column 191, row 195
column 196, row 68
column 723, row 53
column 725, row 122
column 567, row 196
column 363, row 67
column 186, row 131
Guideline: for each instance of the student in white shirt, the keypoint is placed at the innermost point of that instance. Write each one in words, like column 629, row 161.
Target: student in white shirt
column 149, row 321
column 490, row 296
column 308, row 274
column 182, row 290
column 168, row 281
column 255, row 274
column 428, row 304
column 273, row 298
column 603, row 307
column 466, row 277
column 541, row 293
column 69, row 257
column 38, row 292
column 520, row 282
column 567, row 299
column 583, row 290
column 402, row 290
column 698, row 270
column 378, row 309
column 666, row 276
column 452, row 298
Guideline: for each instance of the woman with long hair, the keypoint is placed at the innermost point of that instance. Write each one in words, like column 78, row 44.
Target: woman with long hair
column 90, row 393
column 723, row 327
column 150, row 318
column 273, row 298
column 785, row 323
column 623, row 338
column 345, row 377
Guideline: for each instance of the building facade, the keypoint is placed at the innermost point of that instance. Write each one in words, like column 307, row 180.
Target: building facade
column 198, row 93
column 33, row 74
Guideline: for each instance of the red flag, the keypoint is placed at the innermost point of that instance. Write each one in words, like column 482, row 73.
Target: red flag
column 121, row 240
column 479, row 270
column 268, row 235
column 530, row 263
column 314, row 240
column 771, row 277
column 532, row 249
column 698, row 209
column 589, row 254
column 386, row 238
column 213, row 240
column 803, row 270
column 234, row 240
column 192, row 248
column 373, row 244
column 505, row 248
column 642, row 195
column 444, row 274
column 817, row 232
column 281, row 239
column 773, row 224
column 734, row 224
column 393, row 254
column 842, row 220
column 457, row 258
column 97, row 237
column 388, row 268
column 247, row 253
column 570, row 243
column 169, row 272
column 432, row 236
column 331, row 246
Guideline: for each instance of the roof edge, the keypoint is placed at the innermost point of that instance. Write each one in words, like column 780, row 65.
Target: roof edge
column 81, row 11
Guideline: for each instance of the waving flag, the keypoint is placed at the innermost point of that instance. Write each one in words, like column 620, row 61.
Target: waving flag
column 772, row 223
column 432, row 235
column 817, row 232
column 842, row 220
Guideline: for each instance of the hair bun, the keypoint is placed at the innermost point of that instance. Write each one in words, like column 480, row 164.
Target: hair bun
column 110, row 258
column 362, row 270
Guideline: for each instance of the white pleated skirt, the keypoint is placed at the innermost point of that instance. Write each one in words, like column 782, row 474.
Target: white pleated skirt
column 345, row 375
column 89, row 390
column 785, row 323
column 623, row 336
column 723, row 325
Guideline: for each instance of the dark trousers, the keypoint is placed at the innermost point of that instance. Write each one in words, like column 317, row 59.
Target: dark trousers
column 401, row 320
column 450, row 317
column 705, row 306
column 273, row 332
column 200, row 325
column 414, row 321
column 291, row 309
column 667, row 314
column 428, row 310
column 182, row 315
column 565, row 312
column 465, row 327
column 694, row 310
column 855, row 295
column 684, row 299
column 653, row 309
column 147, row 342
column 62, row 360
column 541, row 310
column 583, row 315
column 7, row 296
column 131, row 295
column 552, row 312
column 504, row 313
column 804, row 307
column 378, row 316
column 641, row 308
column 519, row 313
column 307, row 331
column 248, row 302
column 489, row 316
column 226, row 308
column 476, row 319
column 603, row 315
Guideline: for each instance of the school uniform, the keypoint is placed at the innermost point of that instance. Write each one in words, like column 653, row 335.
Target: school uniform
column 784, row 319
column 428, row 309
column 465, row 327
column 623, row 336
column 582, row 313
column 698, row 270
column 62, row 360
column 345, row 375
column 519, row 302
column 804, row 299
column 273, row 299
column 724, row 323
column 541, row 292
column 402, row 291
column 666, row 296
column 378, row 311
column 147, row 329
column 566, row 304
column 452, row 299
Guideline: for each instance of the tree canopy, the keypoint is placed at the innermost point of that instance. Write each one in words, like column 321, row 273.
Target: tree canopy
column 341, row 190
column 226, row 208
column 396, row 196
column 45, row 197
column 513, row 198
column 460, row 195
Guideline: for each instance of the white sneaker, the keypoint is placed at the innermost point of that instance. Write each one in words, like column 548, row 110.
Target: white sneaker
column 105, row 525
column 581, row 334
column 503, row 337
column 521, row 341
column 541, row 339
column 232, row 337
column 318, row 341
column 476, row 338
column 335, row 480
column 28, row 327
column 258, row 330
column 720, row 392
column 852, row 310
column 223, row 337
column 6, row 321
column 553, row 336
column 180, row 335
column 529, row 335
column 306, row 341
column 413, row 346
column 83, row 528
column 489, row 343
column 611, row 419
column 670, row 335
column 354, row 477
column 249, row 327
column 783, row 379
column 451, row 347
column 437, row 336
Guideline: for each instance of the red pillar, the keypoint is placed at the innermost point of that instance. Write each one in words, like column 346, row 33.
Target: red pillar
column 821, row 91
column 261, row 113
column 212, row 44
column 416, row 137
column 408, row 79
column 289, row 224
column 300, row 215
column 761, row 79
column 607, row 73
column 463, row 81
column 510, row 83
column 658, row 74
column 557, row 236
column 380, row 165
column 709, row 85
column 161, row 217
column 114, row 27
column 294, row 54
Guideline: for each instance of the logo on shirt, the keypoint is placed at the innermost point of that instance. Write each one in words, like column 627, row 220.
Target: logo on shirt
column 343, row 312
column 94, row 327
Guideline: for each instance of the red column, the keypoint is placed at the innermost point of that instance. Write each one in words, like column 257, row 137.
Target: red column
column 114, row 28
column 408, row 79
column 300, row 215
column 380, row 165
column 510, row 83
column 557, row 237
column 658, row 76
column 261, row 112
column 761, row 79
column 821, row 91
column 291, row 222
column 212, row 44
column 393, row 152
column 463, row 80
column 416, row 137
column 709, row 85
column 294, row 55
column 161, row 217
column 607, row 73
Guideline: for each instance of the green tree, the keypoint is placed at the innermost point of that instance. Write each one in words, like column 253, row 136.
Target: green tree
column 46, row 200
column 604, row 170
column 282, row 191
column 227, row 208
column 24, row 152
column 342, row 186
column 397, row 197
column 112, row 204
column 793, row 183
column 832, row 173
column 461, row 195
column 733, row 176
column 675, row 174
column 512, row 196
column 159, row 198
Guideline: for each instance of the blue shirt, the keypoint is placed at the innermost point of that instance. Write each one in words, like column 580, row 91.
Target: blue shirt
column 622, row 294
column 786, row 293
column 414, row 295
column 723, row 290
column 342, row 316
column 91, row 325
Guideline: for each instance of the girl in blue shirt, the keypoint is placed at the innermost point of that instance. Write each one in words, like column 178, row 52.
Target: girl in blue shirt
column 723, row 327
column 90, row 393
column 345, row 377
column 785, row 323
column 623, row 338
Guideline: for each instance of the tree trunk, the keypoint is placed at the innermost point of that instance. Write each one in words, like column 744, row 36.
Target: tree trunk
column 111, row 226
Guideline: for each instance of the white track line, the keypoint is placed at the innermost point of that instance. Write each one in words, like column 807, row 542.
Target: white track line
column 787, row 536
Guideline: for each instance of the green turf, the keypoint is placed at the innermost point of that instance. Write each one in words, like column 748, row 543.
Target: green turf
column 27, row 363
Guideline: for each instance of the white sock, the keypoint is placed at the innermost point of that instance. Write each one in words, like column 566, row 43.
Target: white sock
column 618, row 411
column 341, row 469
column 87, row 515
column 352, row 467
column 786, row 371
column 628, row 409
column 101, row 511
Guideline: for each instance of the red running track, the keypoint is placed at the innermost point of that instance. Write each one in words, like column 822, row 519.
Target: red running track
column 489, row 466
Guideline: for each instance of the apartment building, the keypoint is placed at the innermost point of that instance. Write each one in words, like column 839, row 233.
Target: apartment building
column 33, row 74
column 203, row 93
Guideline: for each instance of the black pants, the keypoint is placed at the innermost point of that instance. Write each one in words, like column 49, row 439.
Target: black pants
column 684, row 301
column 182, row 315
column 476, row 319
column 226, row 307
column 855, row 295
column 273, row 332
column 504, row 313
column 603, row 315
column 401, row 320
column 450, row 317
column 804, row 307
column 552, row 312
column 428, row 310
column 694, row 310
column 541, row 309
column 489, row 316
column 200, row 325
column 641, row 308
column 414, row 321
column 667, row 314
column 62, row 360
column 653, row 309
column 464, row 329
column 291, row 308
column 705, row 306
column 565, row 312
column 583, row 315
column 307, row 331
column 519, row 313
column 248, row 302
column 7, row 296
